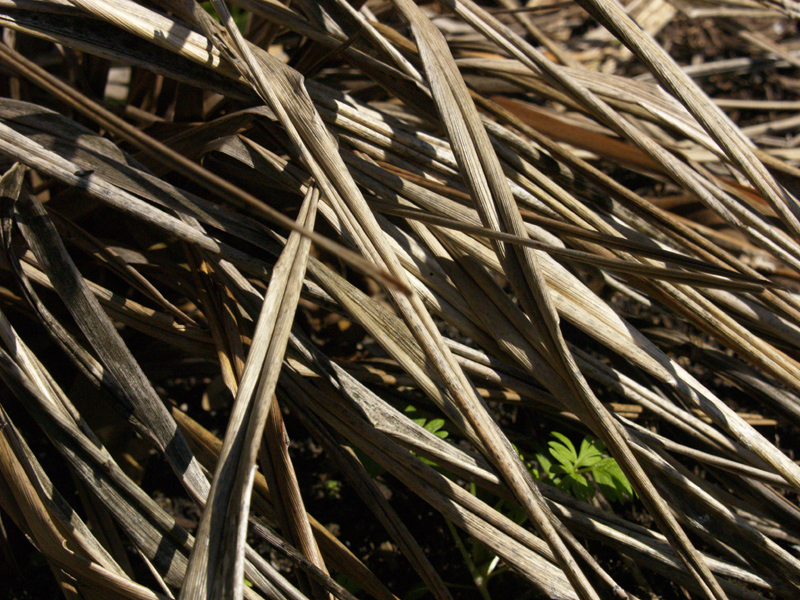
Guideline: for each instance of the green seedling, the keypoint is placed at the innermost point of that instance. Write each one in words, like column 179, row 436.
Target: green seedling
column 570, row 467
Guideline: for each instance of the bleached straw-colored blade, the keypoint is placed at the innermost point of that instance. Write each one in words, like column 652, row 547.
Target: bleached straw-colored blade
column 211, row 181
column 530, row 288
column 30, row 507
column 208, row 448
column 560, row 243
column 217, row 563
column 714, row 121
column 143, row 401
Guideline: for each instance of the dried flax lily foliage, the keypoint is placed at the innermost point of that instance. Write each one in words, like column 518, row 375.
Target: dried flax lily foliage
column 395, row 300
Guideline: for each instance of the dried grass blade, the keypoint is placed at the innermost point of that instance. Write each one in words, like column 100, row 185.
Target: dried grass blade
column 154, row 532
column 615, row 265
column 579, row 305
column 117, row 264
column 44, row 240
column 737, row 215
column 220, row 310
column 207, row 447
column 209, row 180
column 286, row 494
column 423, row 326
column 589, row 523
column 738, row 149
column 150, row 529
column 666, row 223
column 381, row 42
column 21, row 480
column 355, row 473
column 70, row 523
column 382, row 181
column 217, row 562
column 456, row 504
column 495, row 204
column 452, row 274
column 157, row 325
column 588, row 405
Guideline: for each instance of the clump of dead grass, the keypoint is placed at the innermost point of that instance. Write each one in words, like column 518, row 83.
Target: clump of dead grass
column 514, row 184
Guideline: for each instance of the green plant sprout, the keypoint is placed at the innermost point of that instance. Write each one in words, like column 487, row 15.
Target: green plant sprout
column 569, row 470
column 332, row 488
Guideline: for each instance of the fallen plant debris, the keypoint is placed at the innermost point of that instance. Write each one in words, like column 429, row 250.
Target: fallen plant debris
column 388, row 299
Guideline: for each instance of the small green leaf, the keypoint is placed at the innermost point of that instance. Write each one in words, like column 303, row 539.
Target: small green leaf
column 566, row 442
column 578, row 486
column 545, row 463
column 612, row 481
column 564, row 456
column 588, row 455
column 434, row 425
